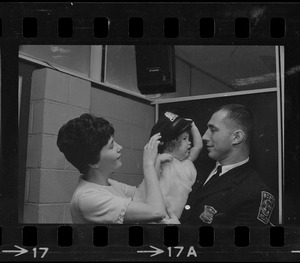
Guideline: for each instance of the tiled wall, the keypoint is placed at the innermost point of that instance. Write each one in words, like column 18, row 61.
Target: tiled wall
column 55, row 99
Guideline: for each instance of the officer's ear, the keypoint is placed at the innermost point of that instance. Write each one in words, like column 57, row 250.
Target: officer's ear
column 238, row 137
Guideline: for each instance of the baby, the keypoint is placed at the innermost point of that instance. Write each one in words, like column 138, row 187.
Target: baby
column 174, row 164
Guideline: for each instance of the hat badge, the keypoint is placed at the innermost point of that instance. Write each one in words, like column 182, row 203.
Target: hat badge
column 171, row 116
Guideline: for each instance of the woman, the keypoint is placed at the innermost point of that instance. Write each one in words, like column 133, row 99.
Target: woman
column 88, row 143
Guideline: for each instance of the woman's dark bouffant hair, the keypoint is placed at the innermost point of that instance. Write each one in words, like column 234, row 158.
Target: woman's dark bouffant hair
column 81, row 140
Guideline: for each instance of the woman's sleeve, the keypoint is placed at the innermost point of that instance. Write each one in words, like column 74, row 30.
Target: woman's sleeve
column 103, row 208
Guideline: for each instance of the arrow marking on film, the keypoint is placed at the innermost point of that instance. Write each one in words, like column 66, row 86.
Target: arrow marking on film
column 156, row 251
column 20, row 251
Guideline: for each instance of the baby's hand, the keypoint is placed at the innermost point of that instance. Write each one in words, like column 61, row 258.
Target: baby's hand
column 165, row 157
column 193, row 123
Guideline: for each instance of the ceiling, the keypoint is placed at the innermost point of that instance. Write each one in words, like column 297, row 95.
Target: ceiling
column 234, row 65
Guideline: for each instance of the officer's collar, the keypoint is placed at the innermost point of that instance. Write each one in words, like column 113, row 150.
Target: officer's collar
column 226, row 168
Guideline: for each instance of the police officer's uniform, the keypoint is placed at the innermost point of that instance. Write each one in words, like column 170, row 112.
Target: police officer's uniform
column 238, row 197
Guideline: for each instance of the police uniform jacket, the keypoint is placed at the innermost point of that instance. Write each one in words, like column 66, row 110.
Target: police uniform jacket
column 238, row 197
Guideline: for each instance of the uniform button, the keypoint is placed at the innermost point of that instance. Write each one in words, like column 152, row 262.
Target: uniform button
column 187, row 207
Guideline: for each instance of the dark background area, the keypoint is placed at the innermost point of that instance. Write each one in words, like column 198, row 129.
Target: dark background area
column 291, row 208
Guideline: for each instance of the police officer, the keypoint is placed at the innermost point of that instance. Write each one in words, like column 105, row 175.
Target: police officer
column 233, row 193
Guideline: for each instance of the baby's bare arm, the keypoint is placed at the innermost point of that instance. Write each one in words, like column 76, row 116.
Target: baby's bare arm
column 197, row 143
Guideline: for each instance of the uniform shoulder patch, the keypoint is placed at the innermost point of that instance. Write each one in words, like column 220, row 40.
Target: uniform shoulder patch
column 267, row 203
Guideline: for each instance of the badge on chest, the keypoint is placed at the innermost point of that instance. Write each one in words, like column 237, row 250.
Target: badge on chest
column 207, row 215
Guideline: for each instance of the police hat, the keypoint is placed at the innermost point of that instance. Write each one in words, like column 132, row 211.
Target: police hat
column 170, row 126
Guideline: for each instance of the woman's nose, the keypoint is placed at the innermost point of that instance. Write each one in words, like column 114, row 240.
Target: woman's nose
column 119, row 147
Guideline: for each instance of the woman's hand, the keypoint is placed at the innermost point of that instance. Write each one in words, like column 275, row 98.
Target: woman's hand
column 150, row 150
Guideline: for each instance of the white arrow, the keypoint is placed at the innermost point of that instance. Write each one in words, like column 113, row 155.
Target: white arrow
column 20, row 251
column 156, row 251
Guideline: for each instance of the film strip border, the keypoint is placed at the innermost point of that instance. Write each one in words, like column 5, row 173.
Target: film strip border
column 101, row 27
column 135, row 236
column 179, row 23
column 142, row 242
column 161, row 23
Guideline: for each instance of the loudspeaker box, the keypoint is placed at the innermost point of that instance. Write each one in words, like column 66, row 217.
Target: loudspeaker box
column 155, row 68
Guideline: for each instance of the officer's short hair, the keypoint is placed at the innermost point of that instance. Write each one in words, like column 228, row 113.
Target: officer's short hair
column 240, row 116
column 81, row 140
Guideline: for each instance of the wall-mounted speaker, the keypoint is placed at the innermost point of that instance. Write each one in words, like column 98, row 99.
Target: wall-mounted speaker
column 155, row 69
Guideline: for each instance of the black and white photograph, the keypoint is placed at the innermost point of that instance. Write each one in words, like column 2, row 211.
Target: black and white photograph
column 122, row 134
column 140, row 131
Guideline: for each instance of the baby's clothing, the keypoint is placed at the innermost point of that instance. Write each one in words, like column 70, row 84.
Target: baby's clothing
column 176, row 180
column 93, row 203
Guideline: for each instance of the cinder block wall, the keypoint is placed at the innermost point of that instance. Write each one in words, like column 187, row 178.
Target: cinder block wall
column 50, row 178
